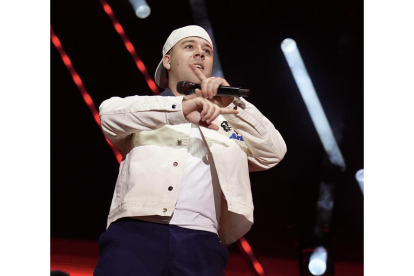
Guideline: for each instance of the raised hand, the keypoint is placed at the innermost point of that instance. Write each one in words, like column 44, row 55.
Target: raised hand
column 203, row 112
column 209, row 88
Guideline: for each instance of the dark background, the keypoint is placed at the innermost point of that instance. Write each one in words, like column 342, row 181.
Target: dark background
column 329, row 35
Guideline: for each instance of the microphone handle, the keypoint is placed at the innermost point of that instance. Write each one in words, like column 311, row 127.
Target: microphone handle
column 224, row 91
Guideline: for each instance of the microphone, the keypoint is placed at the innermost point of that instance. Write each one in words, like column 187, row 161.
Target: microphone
column 188, row 88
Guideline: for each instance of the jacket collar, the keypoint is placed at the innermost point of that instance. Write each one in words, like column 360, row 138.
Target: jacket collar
column 167, row 92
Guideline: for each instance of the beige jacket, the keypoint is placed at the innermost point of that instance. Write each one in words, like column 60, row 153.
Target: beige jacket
column 152, row 134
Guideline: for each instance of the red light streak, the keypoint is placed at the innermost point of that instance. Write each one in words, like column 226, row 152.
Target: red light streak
column 130, row 47
column 107, row 9
column 66, row 60
column 76, row 79
column 140, row 65
column 96, row 117
column 258, row 268
column 56, row 41
column 119, row 28
column 87, row 98
column 152, row 84
column 244, row 246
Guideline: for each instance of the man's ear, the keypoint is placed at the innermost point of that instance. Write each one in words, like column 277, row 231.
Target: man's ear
column 166, row 60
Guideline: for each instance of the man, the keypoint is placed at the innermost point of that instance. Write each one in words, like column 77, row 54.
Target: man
column 183, row 190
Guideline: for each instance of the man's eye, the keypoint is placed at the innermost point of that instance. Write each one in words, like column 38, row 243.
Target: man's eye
column 189, row 46
column 207, row 51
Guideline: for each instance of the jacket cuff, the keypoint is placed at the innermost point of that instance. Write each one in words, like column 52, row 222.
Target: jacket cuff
column 239, row 104
column 177, row 116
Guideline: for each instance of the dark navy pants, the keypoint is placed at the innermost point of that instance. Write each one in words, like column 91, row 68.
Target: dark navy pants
column 134, row 247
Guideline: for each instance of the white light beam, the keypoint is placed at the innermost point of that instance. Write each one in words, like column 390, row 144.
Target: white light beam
column 360, row 178
column 304, row 83
column 317, row 262
column 141, row 8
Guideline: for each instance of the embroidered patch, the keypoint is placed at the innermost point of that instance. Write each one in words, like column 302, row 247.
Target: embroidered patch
column 236, row 136
column 225, row 126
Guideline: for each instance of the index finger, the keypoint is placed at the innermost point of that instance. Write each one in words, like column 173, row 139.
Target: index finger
column 228, row 111
column 198, row 72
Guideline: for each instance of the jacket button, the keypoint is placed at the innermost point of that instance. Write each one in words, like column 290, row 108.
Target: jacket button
column 175, row 164
column 174, row 106
column 164, row 210
column 170, row 188
column 179, row 141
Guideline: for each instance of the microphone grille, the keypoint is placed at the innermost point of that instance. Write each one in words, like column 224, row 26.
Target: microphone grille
column 187, row 88
column 183, row 87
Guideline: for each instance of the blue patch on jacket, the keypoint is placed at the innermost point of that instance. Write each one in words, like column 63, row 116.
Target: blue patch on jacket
column 237, row 137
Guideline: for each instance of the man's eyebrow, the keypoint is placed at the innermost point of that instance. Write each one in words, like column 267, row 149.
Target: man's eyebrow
column 193, row 41
column 185, row 41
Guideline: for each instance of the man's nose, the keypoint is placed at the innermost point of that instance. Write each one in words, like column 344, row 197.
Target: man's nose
column 199, row 52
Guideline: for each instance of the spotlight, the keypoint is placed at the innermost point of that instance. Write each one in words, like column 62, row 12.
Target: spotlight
column 141, row 8
column 360, row 178
column 304, row 83
column 317, row 261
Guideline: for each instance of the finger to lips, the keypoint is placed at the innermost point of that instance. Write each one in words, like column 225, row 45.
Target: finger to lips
column 198, row 72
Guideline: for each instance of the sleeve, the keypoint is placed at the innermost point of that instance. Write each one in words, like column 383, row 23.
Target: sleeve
column 266, row 146
column 121, row 117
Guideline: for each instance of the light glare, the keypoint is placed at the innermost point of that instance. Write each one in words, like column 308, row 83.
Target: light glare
column 141, row 8
column 143, row 11
column 317, row 262
column 360, row 178
column 288, row 45
column 304, row 83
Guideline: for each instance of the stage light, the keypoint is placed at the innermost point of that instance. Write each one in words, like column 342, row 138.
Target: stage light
column 141, row 8
column 304, row 83
column 317, row 261
column 360, row 178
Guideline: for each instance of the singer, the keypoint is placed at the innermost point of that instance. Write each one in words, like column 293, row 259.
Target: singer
column 183, row 190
